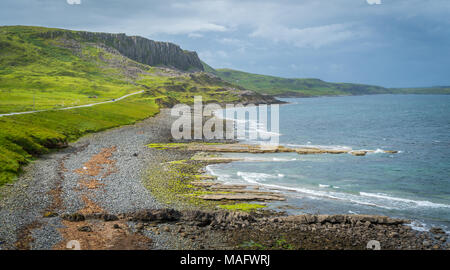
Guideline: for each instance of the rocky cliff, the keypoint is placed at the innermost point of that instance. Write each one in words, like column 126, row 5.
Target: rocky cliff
column 146, row 51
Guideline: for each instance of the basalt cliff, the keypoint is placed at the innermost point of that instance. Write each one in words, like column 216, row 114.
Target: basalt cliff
column 140, row 49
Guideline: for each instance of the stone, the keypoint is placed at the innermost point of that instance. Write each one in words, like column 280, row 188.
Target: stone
column 358, row 153
column 393, row 234
column 50, row 214
column 437, row 230
column 109, row 217
column 85, row 229
column 160, row 215
column 76, row 217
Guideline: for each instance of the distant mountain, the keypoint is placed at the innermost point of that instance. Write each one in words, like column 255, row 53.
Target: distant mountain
column 285, row 87
column 435, row 90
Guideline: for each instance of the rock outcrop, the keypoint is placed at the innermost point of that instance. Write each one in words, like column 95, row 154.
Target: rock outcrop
column 256, row 148
column 142, row 50
column 342, row 219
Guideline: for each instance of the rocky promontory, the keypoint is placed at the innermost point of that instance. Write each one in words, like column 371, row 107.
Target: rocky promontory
column 139, row 49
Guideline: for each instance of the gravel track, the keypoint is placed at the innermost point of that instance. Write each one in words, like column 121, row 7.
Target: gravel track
column 52, row 183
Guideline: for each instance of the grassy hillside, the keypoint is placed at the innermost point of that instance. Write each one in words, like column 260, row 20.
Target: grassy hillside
column 44, row 72
column 310, row 87
column 294, row 87
column 54, row 73
column 437, row 90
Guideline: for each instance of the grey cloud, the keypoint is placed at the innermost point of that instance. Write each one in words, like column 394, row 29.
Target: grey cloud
column 369, row 43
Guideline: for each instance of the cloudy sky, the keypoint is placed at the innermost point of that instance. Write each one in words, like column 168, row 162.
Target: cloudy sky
column 392, row 43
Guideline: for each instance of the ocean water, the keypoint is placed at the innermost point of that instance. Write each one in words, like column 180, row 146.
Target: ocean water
column 413, row 184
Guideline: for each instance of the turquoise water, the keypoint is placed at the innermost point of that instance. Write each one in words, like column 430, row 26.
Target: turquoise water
column 414, row 183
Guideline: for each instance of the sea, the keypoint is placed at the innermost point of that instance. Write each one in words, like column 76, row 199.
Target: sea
column 413, row 183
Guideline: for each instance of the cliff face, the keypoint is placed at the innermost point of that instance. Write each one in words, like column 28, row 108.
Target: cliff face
column 146, row 51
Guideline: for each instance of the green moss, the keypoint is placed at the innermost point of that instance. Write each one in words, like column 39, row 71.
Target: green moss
column 178, row 161
column 252, row 245
column 247, row 207
column 164, row 146
column 171, row 183
column 282, row 243
column 277, row 244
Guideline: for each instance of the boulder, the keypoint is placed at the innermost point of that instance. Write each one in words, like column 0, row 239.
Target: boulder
column 160, row 215
column 76, row 217
column 358, row 153
column 85, row 229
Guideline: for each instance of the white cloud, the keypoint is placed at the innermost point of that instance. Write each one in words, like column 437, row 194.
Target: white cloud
column 374, row 2
column 74, row 2
column 172, row 26
column 213, row 57
column 310, row 37
column 234, row 42
column 187, row 26
column 195, row 35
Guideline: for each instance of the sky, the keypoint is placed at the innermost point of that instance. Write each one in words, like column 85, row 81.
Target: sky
column 391, row 43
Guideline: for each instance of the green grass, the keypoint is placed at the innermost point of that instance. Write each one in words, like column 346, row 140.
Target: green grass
column 278, row 86
column 42, row 72
column 295, row 87
column 23, row 137
column 184, row 88
column 246, row 207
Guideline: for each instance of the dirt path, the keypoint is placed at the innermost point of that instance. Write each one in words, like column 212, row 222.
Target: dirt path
column 74, row 107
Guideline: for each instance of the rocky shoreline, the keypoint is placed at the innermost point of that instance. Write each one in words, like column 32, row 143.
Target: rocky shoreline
column 106, row 192
column 196, row 229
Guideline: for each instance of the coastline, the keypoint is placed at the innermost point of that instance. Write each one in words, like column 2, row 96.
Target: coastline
column 410, row 239
column 93, row 191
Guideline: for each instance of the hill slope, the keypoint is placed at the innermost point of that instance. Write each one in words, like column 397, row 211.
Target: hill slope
column 43, row 69
column 436, row 90
column 285, row 87
column 142, row 50
column 295, row 87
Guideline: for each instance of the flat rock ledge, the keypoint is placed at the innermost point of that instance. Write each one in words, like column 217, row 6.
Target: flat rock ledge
column 342, row 219
column 243, row 197
column 253, row 148
column 236, row 192
column 204, row 218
